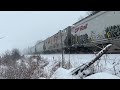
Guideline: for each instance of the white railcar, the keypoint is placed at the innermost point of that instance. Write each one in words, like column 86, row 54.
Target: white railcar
column 39, row 47
column 56, row 42
column 102, row 27
column 32, row 50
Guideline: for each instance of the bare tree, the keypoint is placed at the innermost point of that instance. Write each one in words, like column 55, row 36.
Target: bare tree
column 16, row 54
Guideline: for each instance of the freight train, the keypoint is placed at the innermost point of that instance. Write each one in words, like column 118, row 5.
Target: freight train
column 87, row 35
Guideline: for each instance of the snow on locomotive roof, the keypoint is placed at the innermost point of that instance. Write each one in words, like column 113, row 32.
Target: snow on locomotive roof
column 86, row 17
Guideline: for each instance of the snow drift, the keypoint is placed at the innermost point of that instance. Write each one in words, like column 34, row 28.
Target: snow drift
column 62, row 73
column 102, row 75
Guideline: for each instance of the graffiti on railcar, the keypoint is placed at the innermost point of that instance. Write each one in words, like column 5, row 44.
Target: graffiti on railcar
column 93, row 36
column 100, row 36
column 112, row 32
column 82, row 39
column 96, row 36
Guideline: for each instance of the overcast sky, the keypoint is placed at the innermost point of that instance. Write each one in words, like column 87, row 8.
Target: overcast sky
column 21, row 29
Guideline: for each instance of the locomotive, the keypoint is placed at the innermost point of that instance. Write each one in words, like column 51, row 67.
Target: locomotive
column 87, row 35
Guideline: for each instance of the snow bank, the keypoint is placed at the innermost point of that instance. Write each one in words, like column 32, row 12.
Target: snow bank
column 62, row 73
column 42, row 78
column 102, row 75
column 49, row 69
column 109, row 63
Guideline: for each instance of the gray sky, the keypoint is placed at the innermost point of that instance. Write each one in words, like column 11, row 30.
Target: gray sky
column 23, row 28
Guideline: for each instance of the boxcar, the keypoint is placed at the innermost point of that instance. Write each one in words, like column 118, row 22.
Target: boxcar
column 100, row 28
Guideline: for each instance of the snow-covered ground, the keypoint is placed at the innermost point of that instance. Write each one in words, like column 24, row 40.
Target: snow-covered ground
column 109, row 63
column 79, row 59
column 75, row 59
column 102, row 75
column 62, row 73
column 108, row 67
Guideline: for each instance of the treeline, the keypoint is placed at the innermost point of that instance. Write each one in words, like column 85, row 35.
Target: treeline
column 10, row 57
